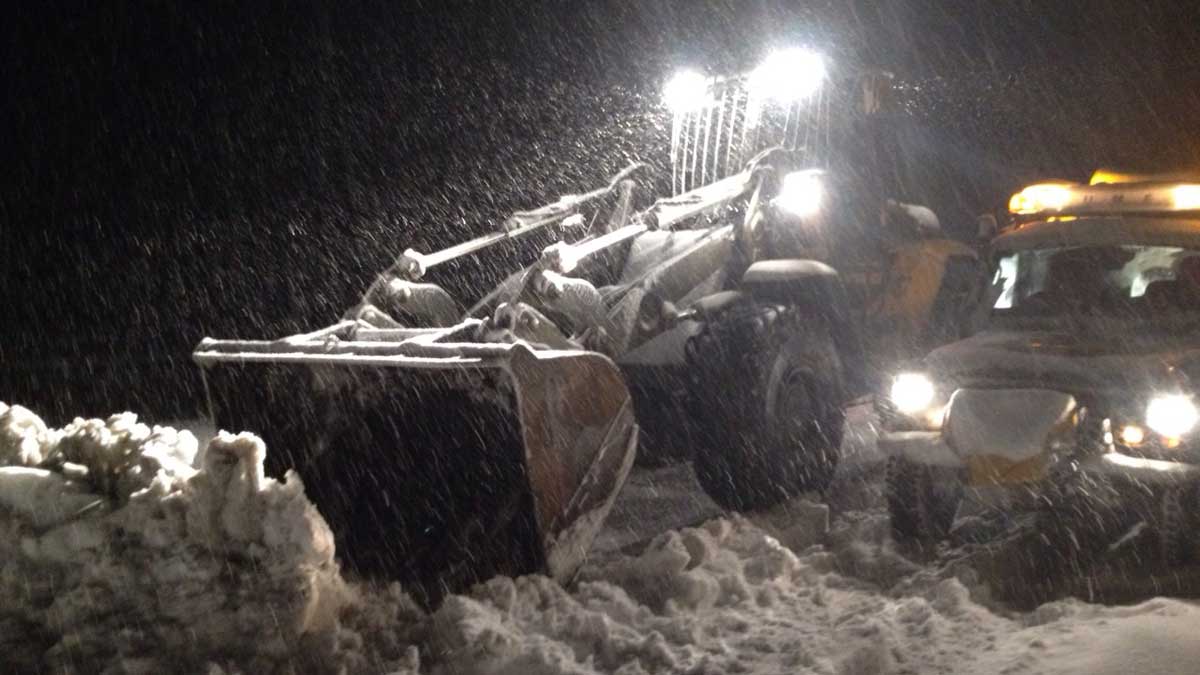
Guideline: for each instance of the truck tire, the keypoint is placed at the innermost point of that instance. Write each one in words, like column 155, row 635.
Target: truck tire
column 1178, row 522
column 920, row 511
column 771, row 408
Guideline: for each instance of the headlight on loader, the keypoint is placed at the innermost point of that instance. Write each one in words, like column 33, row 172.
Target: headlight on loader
column 1172, row 415
column 912, row 393
column 801, row 193
column 789, row 75
column 686, row 91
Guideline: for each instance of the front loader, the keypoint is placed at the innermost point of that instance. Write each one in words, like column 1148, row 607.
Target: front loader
column 447, row 443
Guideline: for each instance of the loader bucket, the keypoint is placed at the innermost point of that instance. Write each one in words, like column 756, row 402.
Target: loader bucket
column 439, row 472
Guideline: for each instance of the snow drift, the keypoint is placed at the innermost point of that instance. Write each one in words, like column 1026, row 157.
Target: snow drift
column 128, row 548
column 726, row 598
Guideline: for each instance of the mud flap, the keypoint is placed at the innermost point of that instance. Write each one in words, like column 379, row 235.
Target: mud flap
column 442, row 474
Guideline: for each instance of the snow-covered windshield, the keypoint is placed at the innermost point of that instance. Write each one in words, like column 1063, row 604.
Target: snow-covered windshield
column 1156, row 284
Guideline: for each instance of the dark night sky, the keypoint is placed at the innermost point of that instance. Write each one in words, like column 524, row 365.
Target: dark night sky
column 243, row 168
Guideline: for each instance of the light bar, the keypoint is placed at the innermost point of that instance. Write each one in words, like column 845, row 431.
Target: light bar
column 1111, row 177
column 1072, row 198
column 1041, row 197
column 1186, row 197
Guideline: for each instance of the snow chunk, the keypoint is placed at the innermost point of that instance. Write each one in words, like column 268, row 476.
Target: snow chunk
column 41, row 497
column 121, row 457
column 23, row 436
column 797, row 524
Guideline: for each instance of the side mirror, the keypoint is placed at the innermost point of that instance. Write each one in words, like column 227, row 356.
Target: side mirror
column 987, row 294
column 986, row 226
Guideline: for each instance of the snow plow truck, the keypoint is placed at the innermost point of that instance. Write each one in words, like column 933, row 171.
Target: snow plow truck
column 447, row 443
column 1074, row 399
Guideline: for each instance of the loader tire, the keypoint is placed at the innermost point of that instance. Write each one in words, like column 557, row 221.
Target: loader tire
column 921, row 513
column 773, row 419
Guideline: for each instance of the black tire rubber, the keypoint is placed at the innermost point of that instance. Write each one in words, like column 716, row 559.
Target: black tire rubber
column 920, row 511
column 1177, row 524
column 772, row 414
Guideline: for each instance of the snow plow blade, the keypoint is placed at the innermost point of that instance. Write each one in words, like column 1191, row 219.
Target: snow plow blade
column 437, row 466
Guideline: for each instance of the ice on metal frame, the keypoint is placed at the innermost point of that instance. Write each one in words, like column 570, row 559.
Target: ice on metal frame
column 714, row 138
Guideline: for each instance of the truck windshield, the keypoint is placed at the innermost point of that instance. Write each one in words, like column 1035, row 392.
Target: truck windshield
column 1144, row 283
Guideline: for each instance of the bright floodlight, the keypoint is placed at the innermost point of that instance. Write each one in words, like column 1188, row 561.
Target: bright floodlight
column 1186, row 197
column 1172, row 415
column 789, row 75
column 912, row 393
column 687, row 91
column 802, row 193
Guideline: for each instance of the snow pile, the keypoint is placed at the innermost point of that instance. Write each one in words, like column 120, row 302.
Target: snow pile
column 728, row 598
column 1157, row 636
column 720, row 598
column 124, row 548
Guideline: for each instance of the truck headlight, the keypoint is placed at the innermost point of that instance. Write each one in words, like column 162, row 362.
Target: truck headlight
column 912, row 393
column 1171, row 415
column 802, row 193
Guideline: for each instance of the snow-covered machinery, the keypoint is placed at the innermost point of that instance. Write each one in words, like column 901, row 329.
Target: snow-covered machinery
column 907, row 281
column 1077, row 394
column 445, row 444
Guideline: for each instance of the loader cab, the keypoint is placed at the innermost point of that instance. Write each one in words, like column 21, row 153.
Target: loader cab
column 909, row 284
column 822, row 215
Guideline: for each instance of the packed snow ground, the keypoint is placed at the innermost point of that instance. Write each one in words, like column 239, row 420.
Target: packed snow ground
column 129, row 548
